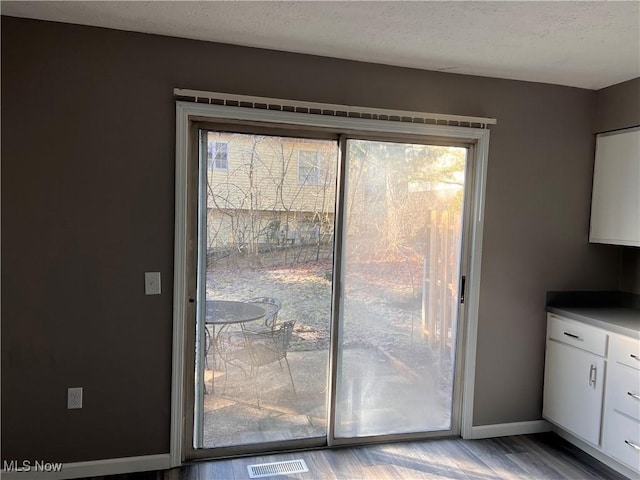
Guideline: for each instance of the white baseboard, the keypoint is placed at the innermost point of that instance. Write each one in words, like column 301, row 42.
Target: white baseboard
column 506, row 429
column 95, row 468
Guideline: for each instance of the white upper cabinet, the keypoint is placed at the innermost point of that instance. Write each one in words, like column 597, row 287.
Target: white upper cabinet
column 615, row 203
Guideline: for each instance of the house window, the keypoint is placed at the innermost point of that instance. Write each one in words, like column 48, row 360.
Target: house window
column 309, row 167
column 217, row 155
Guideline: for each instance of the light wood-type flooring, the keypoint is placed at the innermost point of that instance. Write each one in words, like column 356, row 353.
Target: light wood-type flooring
column 541, row 456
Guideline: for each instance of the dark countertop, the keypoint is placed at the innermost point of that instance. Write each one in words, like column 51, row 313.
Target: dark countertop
column 617, row 312
column 621, row 320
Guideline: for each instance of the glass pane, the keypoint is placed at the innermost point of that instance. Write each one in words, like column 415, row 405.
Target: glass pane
column 267, row 306
column 403, row 224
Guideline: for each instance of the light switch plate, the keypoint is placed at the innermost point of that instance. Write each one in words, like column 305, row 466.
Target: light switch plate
column 152, row 283
column 74, row 398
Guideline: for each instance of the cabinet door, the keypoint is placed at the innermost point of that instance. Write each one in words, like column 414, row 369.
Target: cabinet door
column 573, row 387
column 615, row 203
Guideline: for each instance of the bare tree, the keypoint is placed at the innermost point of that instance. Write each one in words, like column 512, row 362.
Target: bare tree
column 262, row 203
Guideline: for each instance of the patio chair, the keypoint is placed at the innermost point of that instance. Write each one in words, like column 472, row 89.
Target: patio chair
column 272, row 307
column 259, row 349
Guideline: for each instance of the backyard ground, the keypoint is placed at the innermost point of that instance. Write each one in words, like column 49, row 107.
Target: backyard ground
column 382, row 300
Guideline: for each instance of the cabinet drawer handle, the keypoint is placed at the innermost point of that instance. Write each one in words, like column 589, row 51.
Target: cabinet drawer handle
column 635, row 356
column 572, row 335
column 632, row 445
column 634, row 395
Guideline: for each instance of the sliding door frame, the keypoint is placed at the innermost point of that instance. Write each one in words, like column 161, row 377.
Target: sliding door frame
column 188, row 114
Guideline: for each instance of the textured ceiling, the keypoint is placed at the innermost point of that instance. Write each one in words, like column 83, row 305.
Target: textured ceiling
column 590, row 44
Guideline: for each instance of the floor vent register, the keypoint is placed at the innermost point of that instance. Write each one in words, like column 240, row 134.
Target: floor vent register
column 277, row 468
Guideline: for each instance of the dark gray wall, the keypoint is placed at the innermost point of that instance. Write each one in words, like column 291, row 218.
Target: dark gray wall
column 87, row 206
column 618, row 106
column 630, row 274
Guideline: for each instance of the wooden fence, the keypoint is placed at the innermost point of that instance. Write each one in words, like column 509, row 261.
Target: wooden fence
column 441, row 278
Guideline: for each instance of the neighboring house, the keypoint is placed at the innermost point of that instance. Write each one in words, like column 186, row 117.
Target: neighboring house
column 267, row 190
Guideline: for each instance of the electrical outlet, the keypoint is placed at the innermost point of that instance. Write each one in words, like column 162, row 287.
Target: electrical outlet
column 74, row 398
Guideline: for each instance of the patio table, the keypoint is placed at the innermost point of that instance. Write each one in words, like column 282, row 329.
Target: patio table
column 228, row 312
column 224, row 313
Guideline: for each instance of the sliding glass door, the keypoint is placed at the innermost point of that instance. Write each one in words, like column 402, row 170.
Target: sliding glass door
column 266, row 229
column 400, row 289
column 328, row 286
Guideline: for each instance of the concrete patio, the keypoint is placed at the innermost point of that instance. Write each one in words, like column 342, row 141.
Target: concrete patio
column 380, row 395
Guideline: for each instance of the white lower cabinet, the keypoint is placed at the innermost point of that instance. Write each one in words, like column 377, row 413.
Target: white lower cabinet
column 621, row 437
column 573, row 393
column 574, row 380
column 592, row 387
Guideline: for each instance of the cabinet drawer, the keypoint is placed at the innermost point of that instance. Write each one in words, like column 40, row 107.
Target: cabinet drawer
column 623, row 390
column 625, row 350
column 621, row 439
column 577, row 334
